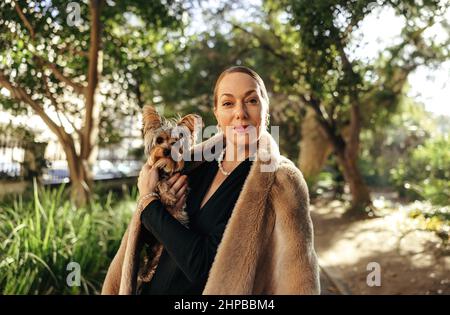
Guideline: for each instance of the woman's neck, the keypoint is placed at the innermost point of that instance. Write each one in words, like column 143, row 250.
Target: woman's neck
column 236, row 154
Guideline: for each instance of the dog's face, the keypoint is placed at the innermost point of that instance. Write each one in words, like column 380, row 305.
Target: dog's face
column 161, row 136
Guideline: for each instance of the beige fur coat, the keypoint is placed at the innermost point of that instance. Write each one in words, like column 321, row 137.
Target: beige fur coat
column 267, row 246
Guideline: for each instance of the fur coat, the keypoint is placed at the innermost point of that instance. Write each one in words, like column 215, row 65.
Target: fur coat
column 267, row 246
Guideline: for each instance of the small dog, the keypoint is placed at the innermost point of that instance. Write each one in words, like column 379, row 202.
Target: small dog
column 160, row 136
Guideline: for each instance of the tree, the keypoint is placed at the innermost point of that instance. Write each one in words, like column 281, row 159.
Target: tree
column 53, row 59
column 312, row 41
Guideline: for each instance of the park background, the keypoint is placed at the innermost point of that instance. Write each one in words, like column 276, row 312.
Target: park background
column 359, row 89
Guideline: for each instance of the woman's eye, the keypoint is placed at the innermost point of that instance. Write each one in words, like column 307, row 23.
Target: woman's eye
column 253, row 101
column 227, row 103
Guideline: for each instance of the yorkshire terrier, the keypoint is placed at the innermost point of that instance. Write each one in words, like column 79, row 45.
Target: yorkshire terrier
column 160, row 136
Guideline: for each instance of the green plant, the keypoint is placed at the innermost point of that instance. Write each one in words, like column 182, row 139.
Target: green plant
column 432, row 218
column 425, row 173
column 40, row 237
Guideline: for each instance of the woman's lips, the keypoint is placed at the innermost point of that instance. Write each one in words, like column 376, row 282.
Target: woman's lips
column 241, row 129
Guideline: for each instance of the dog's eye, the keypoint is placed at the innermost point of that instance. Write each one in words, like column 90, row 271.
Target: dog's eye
column 159, row 140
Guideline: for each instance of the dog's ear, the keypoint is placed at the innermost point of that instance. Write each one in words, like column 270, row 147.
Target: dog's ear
column 150, row 119
column 191, row 121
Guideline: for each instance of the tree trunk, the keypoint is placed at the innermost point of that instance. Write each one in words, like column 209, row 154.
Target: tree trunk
column 80, row 178
column 361, row 200
column 346, row 149
column 315, row 147
column 79, row 191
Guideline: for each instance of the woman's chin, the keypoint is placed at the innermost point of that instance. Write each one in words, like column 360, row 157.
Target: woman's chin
column 243, row 138
column 243, row 142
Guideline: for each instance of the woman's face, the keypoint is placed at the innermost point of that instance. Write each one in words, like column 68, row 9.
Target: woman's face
column 239, row 110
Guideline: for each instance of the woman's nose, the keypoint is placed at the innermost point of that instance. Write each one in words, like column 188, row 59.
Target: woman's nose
column 241, row 111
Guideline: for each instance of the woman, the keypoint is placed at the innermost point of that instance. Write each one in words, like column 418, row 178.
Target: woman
column 250, row 231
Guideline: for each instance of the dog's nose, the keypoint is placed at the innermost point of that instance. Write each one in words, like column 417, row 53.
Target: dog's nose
column 166, row 152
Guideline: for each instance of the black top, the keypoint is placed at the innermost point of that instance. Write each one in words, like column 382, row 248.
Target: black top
column 189, row 252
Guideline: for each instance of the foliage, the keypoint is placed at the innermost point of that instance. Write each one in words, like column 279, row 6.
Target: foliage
column 135, row 37
column 432, row 218
column 392, row 140
column 38, row 239
column 426, row 172
column 20, row 132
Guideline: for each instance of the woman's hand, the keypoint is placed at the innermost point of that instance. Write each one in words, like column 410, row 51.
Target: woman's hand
column 178, row 184
column 149, row 177
column 147, row 180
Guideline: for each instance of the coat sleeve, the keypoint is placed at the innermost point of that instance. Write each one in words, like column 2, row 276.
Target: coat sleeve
column 192, row 251
column 296, row 267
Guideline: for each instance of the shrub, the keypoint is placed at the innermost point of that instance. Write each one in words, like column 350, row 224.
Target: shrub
column 40, row 237
column 425, row 173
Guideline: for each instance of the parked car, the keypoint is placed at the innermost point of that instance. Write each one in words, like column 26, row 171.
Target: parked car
column 58, row 171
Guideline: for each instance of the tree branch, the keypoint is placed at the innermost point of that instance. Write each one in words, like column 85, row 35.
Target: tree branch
column 355, row 111
column 24, row 19
column 78, row 88
column 58, row 109
column 329, row 129
column 261, row 41
column 19, row 94
column 94, row 47
column 72, row 50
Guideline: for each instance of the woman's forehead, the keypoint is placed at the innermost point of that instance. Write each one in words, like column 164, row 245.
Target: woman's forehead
column 236, row 84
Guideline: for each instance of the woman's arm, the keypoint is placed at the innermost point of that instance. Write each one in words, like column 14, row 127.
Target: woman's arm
column 193, row 252
column 299, row 273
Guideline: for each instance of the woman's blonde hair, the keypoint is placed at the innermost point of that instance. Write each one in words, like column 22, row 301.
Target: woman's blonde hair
column 254, row 75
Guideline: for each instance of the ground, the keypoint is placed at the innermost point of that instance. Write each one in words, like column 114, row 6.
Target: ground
column 412, row 261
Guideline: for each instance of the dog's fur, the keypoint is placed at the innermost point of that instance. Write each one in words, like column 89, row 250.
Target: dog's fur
column 160, row 135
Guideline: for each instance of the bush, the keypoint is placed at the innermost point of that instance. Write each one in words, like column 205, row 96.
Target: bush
column 39, row 238
column 426, row 173
column 431, row 218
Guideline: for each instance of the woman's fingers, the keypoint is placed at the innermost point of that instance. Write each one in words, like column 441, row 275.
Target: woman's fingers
column 181, row 192
column 180, row 202
column 179, row 183
column 173, row 178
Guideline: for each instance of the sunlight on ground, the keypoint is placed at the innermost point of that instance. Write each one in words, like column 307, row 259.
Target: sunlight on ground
column 399, row 243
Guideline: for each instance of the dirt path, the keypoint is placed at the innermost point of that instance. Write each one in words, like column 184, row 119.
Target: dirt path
column 412, row 262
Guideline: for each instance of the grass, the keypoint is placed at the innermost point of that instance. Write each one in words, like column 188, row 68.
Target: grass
column 41, row 236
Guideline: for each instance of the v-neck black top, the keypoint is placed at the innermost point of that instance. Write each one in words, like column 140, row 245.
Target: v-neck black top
column 189, row 252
